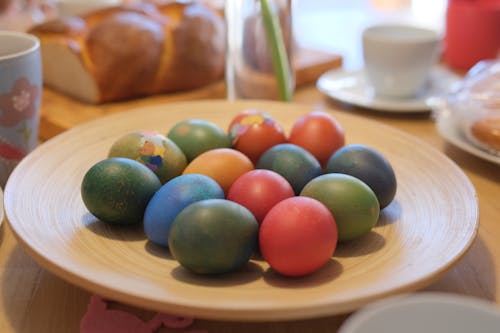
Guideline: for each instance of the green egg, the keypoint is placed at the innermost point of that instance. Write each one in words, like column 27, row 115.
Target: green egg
column 117, row 190
column 213, row 236
column 196, row 136
column 352, row 203
column 154, row 150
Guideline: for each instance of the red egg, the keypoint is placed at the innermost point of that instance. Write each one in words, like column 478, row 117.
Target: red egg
column 252, row 132
column 319, row 133
column 298, row 236
column 259, row 190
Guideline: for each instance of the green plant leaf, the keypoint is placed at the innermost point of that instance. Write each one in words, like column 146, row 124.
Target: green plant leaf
column 279, row 56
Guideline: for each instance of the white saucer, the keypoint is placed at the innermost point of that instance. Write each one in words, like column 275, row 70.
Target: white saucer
column 449, row 130
column 352, row 87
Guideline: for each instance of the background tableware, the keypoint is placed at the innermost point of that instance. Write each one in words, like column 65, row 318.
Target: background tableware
column 398, row 58
column 451, row 132
column 259, row 49
column 474, row 106
column 20, row 95
column 351, row 87
column 415, row 242
column 425, row 312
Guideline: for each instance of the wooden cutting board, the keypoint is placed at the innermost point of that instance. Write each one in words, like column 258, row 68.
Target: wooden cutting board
column 60, row 112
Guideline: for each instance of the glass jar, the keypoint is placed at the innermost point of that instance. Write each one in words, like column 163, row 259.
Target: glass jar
column 259, row 54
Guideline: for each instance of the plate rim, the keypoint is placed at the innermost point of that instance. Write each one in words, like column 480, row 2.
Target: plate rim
column 449, row 131
column 317, row 310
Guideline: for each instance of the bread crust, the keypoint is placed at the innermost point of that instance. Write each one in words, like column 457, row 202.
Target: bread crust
column 129, row 51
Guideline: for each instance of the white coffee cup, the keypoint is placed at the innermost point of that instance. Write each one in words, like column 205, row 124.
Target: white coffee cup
column 399, row 58
column 20, row 97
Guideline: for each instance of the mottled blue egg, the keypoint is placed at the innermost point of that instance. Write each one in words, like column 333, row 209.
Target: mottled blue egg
column 172, row 198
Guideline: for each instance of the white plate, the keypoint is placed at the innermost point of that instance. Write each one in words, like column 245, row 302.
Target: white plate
column 351, row 87
column 426, row 312
column 449, row 130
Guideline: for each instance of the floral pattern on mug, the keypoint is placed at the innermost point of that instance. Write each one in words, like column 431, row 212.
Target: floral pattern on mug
column 19, row 104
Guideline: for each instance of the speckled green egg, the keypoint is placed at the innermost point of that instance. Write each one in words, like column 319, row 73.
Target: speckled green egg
column 154, row 150
column 117, row 190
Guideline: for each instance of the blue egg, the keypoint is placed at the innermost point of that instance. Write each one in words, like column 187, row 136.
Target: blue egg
column 172, row 198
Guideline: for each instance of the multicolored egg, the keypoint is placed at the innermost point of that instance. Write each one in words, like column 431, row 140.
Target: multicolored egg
column 253, row 132
column 154, row 150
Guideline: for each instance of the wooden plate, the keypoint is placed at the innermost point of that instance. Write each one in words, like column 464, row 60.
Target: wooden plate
column 420, row 235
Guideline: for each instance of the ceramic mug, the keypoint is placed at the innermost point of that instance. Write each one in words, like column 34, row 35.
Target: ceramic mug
column 399, row 58
column 20, row 95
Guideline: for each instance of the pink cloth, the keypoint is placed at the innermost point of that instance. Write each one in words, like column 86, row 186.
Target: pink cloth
column 100, row 319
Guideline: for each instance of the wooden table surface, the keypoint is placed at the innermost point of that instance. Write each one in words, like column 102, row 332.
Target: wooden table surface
column 34, row 300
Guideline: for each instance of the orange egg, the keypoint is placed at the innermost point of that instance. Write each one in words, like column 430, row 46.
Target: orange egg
column 224, row 165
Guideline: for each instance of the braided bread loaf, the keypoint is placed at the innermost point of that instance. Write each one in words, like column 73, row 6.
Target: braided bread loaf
column 128, row 51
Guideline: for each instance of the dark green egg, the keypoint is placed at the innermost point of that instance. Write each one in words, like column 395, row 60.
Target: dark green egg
column 213, row 236
column 117, row 190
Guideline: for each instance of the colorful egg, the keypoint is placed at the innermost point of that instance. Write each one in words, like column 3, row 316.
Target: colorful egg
column 259, row 190
column 352, row 203
column 152, row 149
column 224, row 165
column 296, row 164
column 253, row 132
column 298, row 236
column 319, row 133
column 171, row 199
column 117, row 190
column 196, row 136
column 213, row 236
column 368, row 165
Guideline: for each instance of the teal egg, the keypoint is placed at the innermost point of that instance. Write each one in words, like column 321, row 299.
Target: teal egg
column 294, row 163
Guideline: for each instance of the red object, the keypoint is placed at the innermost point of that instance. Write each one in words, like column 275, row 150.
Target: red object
column 319, row 133
column 252, row 132
column 298, row 236
column 11, row 152
column 472, row 32
column 259, row 190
